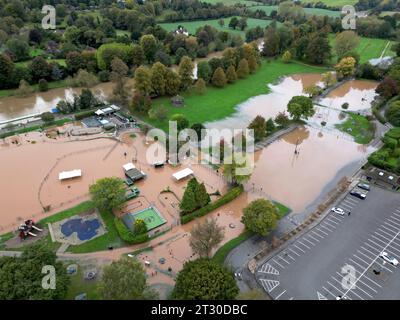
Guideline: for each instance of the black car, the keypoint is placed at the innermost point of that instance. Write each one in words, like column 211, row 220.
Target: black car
column 364, row 186
column 358, row 194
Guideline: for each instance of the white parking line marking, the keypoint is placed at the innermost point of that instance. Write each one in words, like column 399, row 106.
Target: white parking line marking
column 341, row 292
column 278, row 296
column 341, row 275
column 303, row 244
column 394, row 218
column 394, row 222
column 373, row 261
column 278, row 264
column 313, row 237
column 390, row 227
column 325, row 228
column 317, row 234
column 285, row 254
column 294, row 252
column 338, row 218
column 326, row 290
column 381, row 234
column 299, row 248
column 347, row 206
column 280, row 257
column 304, row 238
column 322, row 231
column 332, row 221
column 374, row 254
column 332, row 226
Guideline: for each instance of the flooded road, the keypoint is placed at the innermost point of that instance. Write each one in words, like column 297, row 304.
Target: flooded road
column 359, row 94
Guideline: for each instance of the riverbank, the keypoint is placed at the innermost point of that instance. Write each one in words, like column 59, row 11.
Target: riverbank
column 219, row 103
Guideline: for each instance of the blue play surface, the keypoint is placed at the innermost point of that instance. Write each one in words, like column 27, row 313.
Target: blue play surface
column 85, row 229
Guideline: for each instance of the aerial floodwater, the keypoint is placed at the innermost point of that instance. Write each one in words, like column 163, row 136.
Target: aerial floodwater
column 297, row 179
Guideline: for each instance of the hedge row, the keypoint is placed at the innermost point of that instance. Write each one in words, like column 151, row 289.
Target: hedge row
column 83, row 114
column 231, row 195
column 127, row 235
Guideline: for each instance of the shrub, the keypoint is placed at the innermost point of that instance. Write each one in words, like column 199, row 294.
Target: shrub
column 228, row 197
column 390, row 142
column 127, row 235
column 47, row 116
column 83, row 115
column 43, row 85
column 104, row 76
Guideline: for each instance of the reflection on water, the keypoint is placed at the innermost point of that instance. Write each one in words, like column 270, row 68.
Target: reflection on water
column 296, row 179
column 359, row 94
column 267, row 105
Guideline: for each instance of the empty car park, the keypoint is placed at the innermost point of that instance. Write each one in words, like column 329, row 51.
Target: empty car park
column 351, row 256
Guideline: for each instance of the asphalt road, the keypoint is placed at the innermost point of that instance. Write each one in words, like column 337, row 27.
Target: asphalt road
column 339, row 255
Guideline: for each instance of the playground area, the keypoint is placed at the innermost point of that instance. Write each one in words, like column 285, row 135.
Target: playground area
column 151, row 217
column 77, row 229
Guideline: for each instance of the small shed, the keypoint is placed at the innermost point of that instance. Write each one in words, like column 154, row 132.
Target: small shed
column 178, row 101
column 183, row 174
column 135, row 174
column 69, row 174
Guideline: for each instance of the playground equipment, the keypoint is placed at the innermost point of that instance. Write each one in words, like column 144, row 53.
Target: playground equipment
column 25, row 229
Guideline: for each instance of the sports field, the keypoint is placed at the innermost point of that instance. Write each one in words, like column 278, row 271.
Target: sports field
column 369, row 48
column 151, row 217
column 192, row 26
column 333, row 3
column 310, row 11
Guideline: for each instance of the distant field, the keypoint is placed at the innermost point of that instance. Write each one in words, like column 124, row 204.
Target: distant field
column 310, row 11
column 369, row 48
column 333, row 3
column 192, row 26
column 231, row 2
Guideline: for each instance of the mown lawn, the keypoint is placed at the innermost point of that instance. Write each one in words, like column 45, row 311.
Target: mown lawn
column 221, row 254
column 79, row 285
column 282, row 209
column 359, row 127
column 310, row 11
column 218, row 103
column 334, row 3
column 368, row 48
column 192, row 26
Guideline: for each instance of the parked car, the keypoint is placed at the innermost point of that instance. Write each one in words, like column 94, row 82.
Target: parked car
column 364, row 186
column 358, row 194
column 338, row 211
column 128, row 182
column 388, row 258
column 132, row 193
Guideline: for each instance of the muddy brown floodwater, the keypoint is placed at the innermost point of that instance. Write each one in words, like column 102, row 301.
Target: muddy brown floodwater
column 15, row 107
column 359, row 94
column 268, row 105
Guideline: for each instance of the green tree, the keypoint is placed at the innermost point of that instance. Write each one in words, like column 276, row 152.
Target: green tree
column 24, row 89
column 346, row 42
column 287, row 56
column 186, row 72
column 346, row 67
column 282, row 119
column 18, row 48
column 301, row 107
column 137, row 55
column 204, row 279
column 125, row 279
column 329, row 79
column 43, row 85
column 6, row 71
column 74, row 62
column 388, row 88
column 47, row 117
column 158, row 71
column 200, row 86
column 231, row 75
column 238, row 169
column 270, row 125
column 318, row 50
column 242, row 23
column 143, row 80
column 393, row 113
column 219, row 78
column 258, row 124
column 260, row 216
column 202, row 196
column 39, row 69
column 182, row 122
column 243, row 69
column 140, row 103
column 119, row 69
column 233, row 23
column 204, row 237
column 149, row 46
column 172, row 82
column 21, row 278
column 188, row 203
column 108, row 193
column 271, row 43
column 204, row 71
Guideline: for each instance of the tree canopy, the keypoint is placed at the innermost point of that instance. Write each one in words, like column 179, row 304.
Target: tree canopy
column 260, row 216
column 108, row 193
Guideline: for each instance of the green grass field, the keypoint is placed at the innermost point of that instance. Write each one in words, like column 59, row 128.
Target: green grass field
column 333, row 3
column 310, row 11
column 368, row 48
column 232, row 2
column 192, row 26
column 150, row 216
column 218, row 103
column 359, row 127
